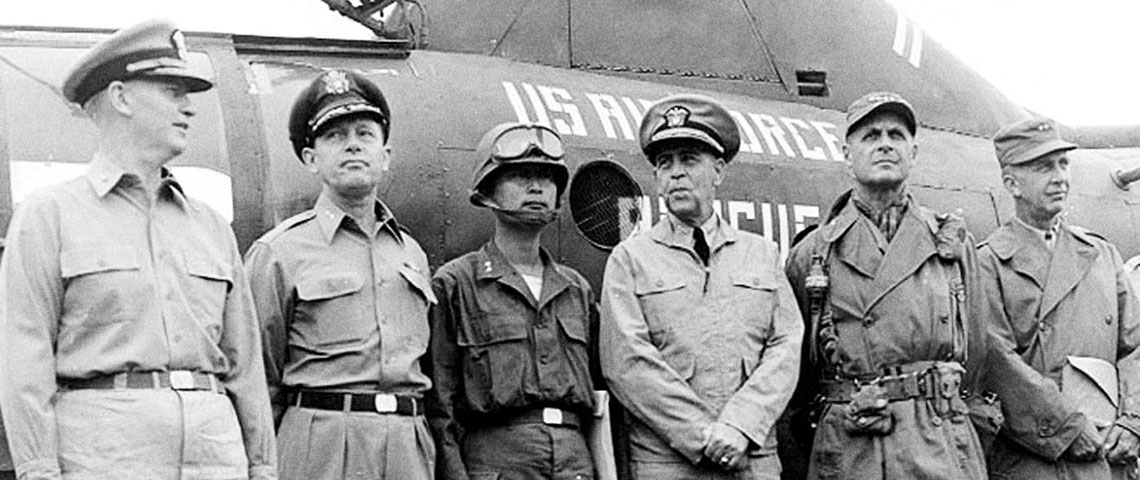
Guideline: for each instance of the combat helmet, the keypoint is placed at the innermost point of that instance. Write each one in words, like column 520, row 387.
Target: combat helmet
column 516, row 143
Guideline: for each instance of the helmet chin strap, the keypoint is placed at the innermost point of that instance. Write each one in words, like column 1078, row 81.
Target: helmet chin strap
column 525, row 217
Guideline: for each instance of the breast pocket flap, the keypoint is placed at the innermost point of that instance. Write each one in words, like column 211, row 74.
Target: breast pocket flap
column 575, row 328
column 84, row 261
column 210, row 269
column 324, row 288
column 754, row 281
column 489, row 329
column 659, row 284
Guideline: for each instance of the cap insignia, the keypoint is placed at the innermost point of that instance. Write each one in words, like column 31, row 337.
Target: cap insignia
column 676, row 117
column 178, row 40
column 881, row 98
column 336, row 82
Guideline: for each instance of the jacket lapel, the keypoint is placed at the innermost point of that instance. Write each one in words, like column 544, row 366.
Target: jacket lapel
column 497, row 268
column 1020, row 248
column 857, row 249
column 553, row 280
column 1073, row 256
column 912, row 246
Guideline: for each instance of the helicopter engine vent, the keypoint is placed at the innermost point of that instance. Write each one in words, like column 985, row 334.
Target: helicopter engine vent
column 604, row 203
column 812, row 83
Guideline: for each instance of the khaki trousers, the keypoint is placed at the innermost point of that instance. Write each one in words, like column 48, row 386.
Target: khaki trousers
column 148, row 435
column 331, row 445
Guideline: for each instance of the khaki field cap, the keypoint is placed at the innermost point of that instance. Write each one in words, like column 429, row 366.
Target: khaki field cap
column 1027, row 140
column 690, row 116
column 154, row 48
column 332, row 95
column 891, row 102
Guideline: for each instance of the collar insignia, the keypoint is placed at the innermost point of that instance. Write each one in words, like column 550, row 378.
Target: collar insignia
column 676, row 117
column 336, row 82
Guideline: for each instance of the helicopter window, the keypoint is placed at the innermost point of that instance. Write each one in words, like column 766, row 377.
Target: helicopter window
column 812, row 83
column 604, row 203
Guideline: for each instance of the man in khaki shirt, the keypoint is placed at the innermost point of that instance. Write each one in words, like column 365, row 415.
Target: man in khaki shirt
column 128, row 344
column 700, row 334
column 343, row 294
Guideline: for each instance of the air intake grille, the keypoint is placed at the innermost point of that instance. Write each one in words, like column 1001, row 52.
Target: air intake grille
column 604, row 203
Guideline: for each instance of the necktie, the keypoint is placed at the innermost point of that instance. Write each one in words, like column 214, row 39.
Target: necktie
column 700, row 245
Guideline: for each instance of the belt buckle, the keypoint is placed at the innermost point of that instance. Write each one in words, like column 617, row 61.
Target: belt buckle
column 384, row 402
column 552, row 416
column 182, row 380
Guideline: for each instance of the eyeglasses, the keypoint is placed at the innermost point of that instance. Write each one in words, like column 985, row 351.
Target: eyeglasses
column 521, row 141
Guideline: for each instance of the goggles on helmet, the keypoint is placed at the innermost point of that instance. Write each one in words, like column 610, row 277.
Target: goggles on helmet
column 523, row 140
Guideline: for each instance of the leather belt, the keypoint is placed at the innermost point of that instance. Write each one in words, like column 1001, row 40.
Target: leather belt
column 174, row 380
column 919, row 380
column 384, row 403
column 545, row 416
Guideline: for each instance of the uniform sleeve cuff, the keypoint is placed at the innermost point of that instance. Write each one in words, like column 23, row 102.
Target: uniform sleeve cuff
column 262, row 472
column 753, row 441
column 42, row 469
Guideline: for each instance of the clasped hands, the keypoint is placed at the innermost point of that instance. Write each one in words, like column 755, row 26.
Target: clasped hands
column 725, row 446
column 1120, row 445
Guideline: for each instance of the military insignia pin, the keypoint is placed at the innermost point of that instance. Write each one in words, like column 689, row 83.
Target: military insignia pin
column 882, row 98
column 179, row 42
column 676, row 117
column 336, row 82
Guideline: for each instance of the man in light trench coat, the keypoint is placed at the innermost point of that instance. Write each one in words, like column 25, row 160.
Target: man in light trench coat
column 890, row 294
column 1064, row 326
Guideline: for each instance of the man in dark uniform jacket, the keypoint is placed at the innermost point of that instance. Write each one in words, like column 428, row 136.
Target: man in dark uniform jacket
column 510, row 336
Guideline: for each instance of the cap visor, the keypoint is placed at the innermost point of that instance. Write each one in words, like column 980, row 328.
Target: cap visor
column 897, row 107
column 685, row 132
column 340, row 109
column 1055, row 145
column 193, row 81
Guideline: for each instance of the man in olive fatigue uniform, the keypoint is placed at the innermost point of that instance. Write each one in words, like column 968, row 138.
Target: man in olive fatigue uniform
column 511, row 334
column 1060, row 307
column 128, row 342
column 343, row 295
column 700, row 334
column 888, row 289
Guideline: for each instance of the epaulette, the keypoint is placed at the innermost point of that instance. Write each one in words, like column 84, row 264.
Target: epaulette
column 1088, row 236
column 1082, row 230
column 289, row 223
column 928, row 216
